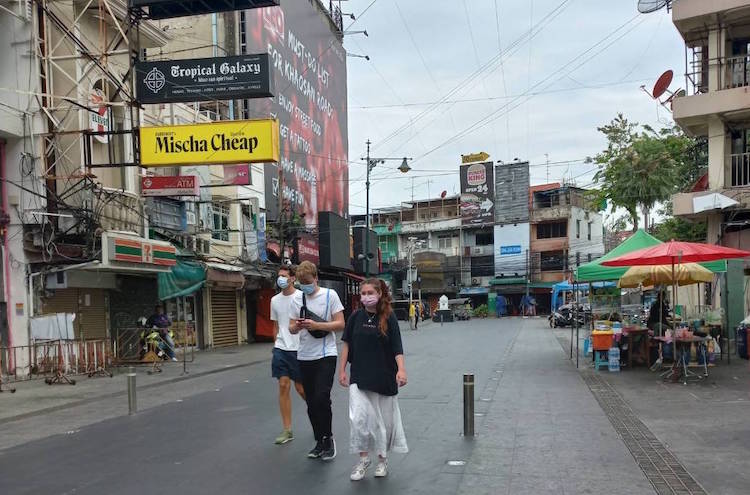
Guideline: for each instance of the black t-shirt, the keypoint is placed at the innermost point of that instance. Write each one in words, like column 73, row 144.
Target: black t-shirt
column 372, row 355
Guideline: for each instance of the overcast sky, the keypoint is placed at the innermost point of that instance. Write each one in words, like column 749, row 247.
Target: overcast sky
column 583, row 65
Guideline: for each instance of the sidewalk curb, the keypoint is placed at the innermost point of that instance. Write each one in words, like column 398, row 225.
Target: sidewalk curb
column 123, row 393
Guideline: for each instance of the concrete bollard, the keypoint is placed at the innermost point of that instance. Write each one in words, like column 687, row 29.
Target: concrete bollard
column 468, row 405
column 132, row 403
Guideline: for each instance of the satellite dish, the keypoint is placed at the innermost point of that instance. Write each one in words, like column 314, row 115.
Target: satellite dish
column 662, row 84
column 648, row 6
column 443, row 194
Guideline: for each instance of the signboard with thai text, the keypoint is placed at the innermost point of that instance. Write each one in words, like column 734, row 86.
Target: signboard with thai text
column 204, row 79
column 170, row 185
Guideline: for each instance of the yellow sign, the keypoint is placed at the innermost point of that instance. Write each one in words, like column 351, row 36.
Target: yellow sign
column 474, row 157
column 229, row 141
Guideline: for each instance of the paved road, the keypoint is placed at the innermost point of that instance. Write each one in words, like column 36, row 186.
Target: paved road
column 539, row 431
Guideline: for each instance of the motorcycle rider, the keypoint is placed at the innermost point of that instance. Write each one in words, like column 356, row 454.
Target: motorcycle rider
column 161, row 321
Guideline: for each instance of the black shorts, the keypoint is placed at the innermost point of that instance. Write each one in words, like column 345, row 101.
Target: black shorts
column 284, row 363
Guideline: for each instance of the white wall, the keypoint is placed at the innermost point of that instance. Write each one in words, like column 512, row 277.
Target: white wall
column 511, row 246
column 581, row 244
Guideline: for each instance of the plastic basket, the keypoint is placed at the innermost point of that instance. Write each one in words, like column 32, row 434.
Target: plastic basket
column 601, row 341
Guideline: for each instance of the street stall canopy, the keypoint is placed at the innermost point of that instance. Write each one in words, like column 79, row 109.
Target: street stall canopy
column 685, row 274
column 597, row 271
column 184, row 279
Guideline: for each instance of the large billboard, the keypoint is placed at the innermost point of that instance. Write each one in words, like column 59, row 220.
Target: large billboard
column 477, row 194
column 309, row 65
column 228, row 141
column 512, row 192
column 204, row 79
column 511, row 249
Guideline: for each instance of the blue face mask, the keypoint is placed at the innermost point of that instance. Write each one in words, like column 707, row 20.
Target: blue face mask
column 308, row 289
column 282, row 282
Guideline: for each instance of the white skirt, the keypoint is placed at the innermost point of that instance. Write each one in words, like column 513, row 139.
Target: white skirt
column 375, row 423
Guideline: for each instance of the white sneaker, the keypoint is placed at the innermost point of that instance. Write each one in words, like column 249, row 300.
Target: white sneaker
column 174, row 359
column 381, row 470
column 360, row 469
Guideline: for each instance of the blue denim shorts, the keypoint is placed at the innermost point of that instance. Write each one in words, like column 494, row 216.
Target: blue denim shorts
column 284, row 363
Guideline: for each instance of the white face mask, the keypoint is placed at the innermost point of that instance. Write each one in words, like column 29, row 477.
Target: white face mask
column 282, row 282
column 370, row 300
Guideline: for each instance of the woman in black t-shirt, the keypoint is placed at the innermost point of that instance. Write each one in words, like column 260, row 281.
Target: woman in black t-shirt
column 372, row 346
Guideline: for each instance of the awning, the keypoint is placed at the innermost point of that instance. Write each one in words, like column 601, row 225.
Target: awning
column 474, row 291
column 542, row 285
column 356, row 277
column 183, row 279
column 387, row 229
column 508, row 281
column 225, row 276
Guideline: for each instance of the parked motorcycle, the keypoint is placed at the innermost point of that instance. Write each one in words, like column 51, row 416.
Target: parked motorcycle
column 565, row 315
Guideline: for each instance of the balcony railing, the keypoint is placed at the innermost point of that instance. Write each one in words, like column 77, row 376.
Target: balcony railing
column 737, row 71
column 739, row 173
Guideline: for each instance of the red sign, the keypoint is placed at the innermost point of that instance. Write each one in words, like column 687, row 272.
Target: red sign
column 237, row 175
column 308, row 250
column 170, row 185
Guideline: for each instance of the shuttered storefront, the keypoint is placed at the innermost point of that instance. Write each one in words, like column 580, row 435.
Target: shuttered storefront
column 224, row 317
column 89, row 306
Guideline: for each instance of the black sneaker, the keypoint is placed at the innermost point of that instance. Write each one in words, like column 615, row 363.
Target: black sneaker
column 329, row 449
column 316, row 451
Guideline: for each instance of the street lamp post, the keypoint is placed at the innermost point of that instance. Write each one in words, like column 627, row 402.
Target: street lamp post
column 371, row 163
column 413, row 243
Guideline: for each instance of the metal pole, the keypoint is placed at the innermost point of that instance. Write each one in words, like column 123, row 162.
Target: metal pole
column 132, row 403
column 468, row 405
column 367, row 214
column 411, row 283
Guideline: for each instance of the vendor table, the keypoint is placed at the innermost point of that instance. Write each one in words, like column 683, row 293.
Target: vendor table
column 630, row 334
column 682, row 356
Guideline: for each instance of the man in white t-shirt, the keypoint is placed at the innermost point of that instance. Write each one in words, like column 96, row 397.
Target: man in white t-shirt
column 284, row 365
column 315, row 314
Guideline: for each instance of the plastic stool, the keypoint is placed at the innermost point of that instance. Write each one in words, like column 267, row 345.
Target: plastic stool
column 601, row 359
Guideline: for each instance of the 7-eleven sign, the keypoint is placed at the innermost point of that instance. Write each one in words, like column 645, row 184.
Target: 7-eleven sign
column 99, row 120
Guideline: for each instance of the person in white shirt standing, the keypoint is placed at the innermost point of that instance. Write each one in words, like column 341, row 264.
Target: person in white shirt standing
column 316, row 314
column 284, row 365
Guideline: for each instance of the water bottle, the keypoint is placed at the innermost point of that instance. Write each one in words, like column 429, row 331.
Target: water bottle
column 617, row 327
column 614, row 359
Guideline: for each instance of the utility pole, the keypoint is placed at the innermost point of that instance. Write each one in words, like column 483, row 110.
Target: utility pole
column 546, row 155
column 367, row 213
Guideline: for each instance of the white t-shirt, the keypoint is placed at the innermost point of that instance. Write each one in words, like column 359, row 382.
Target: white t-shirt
column 285, row 340
column 324, row 303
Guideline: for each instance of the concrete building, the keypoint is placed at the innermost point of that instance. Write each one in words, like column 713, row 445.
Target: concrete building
column 566, row 230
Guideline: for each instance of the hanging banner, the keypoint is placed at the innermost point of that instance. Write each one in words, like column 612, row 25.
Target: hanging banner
column 230, row 141
column 170, row 185
column 237, row 175
column 477, row 194
column 204, row 79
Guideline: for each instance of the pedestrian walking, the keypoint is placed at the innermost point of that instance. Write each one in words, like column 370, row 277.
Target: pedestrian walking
column 417, row 314
column 412, row 312
column 372, row 346
column 315, row 314
column 284, row 365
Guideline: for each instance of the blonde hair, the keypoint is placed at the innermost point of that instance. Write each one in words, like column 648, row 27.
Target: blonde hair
column 306, row 270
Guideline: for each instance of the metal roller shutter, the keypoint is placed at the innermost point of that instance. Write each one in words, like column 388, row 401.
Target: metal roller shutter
column 91, row 318
column 224, row 318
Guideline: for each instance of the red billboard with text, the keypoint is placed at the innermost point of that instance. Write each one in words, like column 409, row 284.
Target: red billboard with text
column 308, row 63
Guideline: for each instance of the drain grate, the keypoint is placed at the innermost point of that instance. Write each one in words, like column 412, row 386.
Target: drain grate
column 661, row 467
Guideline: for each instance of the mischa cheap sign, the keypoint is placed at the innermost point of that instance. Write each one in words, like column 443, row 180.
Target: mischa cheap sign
column 231, row 141
column 170, row 185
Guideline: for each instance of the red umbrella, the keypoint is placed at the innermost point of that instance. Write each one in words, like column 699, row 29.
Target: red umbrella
column 676, row 252
column 672, row 252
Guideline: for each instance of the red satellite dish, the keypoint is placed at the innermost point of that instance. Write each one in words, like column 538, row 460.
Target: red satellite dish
column 662, row 84
column 443, row 194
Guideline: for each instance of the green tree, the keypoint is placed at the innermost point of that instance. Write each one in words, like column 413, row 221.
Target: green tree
column 642, row 168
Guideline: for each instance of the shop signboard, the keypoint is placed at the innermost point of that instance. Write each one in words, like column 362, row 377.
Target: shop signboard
column 204, row 79
column 138, row 250
column 231, row 141
column 511, row 243
column 237, row 175
column 170, row 185
column 307, row 249
column 477, row 194
column 165, row 9
column 99, row 120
